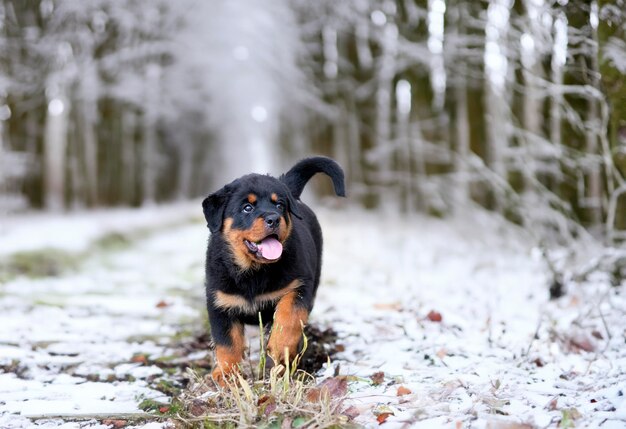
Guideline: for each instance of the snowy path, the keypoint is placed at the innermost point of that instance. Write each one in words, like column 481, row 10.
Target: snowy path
column 479, row 366
column 66, row 343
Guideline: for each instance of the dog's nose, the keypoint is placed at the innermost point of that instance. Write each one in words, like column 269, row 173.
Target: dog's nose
column 272, row 220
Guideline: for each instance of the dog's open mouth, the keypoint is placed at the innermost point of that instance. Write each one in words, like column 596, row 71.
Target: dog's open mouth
column 269, row 248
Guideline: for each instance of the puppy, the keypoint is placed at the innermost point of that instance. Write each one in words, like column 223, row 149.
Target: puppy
column 263, row 260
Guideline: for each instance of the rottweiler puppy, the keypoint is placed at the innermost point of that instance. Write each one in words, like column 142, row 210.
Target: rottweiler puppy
column 264, row 257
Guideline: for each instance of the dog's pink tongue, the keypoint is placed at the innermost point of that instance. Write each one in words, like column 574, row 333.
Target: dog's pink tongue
column 270, row 248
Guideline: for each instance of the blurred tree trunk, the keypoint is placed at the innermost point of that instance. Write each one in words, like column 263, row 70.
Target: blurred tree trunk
column 385, row 74
column 575, row 186
column 88, row 120
column 149, row 154
column 128, row 177
column 611, row 63
column 559, row 56
column 457, row 90
column 593, row 199
column 532, row 69
column 496, row 93
column 55, row 148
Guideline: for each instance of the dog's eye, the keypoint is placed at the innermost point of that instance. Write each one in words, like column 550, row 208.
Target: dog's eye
column 280, row 206
column 248, row 208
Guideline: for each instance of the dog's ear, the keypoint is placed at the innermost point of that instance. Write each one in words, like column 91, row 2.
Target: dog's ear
column 213, row 207
column 293, row 205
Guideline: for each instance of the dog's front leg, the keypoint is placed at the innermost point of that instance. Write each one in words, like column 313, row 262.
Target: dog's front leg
column 229, row 342
column 289, row 318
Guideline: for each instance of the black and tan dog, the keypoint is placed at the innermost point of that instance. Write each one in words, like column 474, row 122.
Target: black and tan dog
column 264, row 256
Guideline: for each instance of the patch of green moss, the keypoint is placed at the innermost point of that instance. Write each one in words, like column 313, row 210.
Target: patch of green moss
column 113, row 241
column 38, row 263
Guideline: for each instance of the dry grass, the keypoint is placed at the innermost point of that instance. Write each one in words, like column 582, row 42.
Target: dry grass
column 278, row 398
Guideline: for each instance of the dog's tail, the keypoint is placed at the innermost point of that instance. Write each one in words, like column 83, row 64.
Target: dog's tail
column 297, row 178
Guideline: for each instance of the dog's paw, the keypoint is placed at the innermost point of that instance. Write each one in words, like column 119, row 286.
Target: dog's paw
column 224, row 374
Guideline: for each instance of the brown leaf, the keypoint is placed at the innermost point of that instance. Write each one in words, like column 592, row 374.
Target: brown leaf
column 581, row 342
column 314, row 394
column 597, row 335
column 382, row 418
column 403, row 391
column 434, row 316
column 538, row 362
column 340, row 348
column 352, row 412
column 337, row 386
column 378, row 378
column 198, row 407
column 162, row 304
column 553, row 404
column 394, row 306
column 334, row 387
column 164, row 409
column 139, row 358
column 442, row 353
column 115, row 423
column 263, row 399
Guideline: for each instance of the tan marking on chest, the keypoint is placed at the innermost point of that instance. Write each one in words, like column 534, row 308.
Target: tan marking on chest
column 229, row 301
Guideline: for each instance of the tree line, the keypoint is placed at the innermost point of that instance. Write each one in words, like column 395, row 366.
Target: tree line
column 517, row 106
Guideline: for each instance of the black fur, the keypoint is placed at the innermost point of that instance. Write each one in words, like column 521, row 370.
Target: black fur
column 302, row 249
column 298, row 176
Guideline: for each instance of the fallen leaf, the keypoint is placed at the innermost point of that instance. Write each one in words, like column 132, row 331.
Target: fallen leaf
column 139, row 358
column 597, row 335
column 382, row 418
column 403, row 391
column 334, row 387
column 552, row 405
column 378, row 378
column 434, row 316
column 352, row 412
column 115, row 423
column 538, row 362
column 581, row 343
column 162, row 304
column 442, row 353
column 395, row 306
column 164, row 409
column 340, row 348
column 198, row 407
column 263, row 399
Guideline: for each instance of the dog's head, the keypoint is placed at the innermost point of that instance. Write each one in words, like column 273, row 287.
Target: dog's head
column 254, row 215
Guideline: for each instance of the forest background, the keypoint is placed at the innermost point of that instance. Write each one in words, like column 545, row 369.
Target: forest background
column 518, row 106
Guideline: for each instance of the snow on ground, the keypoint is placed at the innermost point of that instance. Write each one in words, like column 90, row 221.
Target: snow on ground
column 501, row 354
column 66, row 342
column 74, row 232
